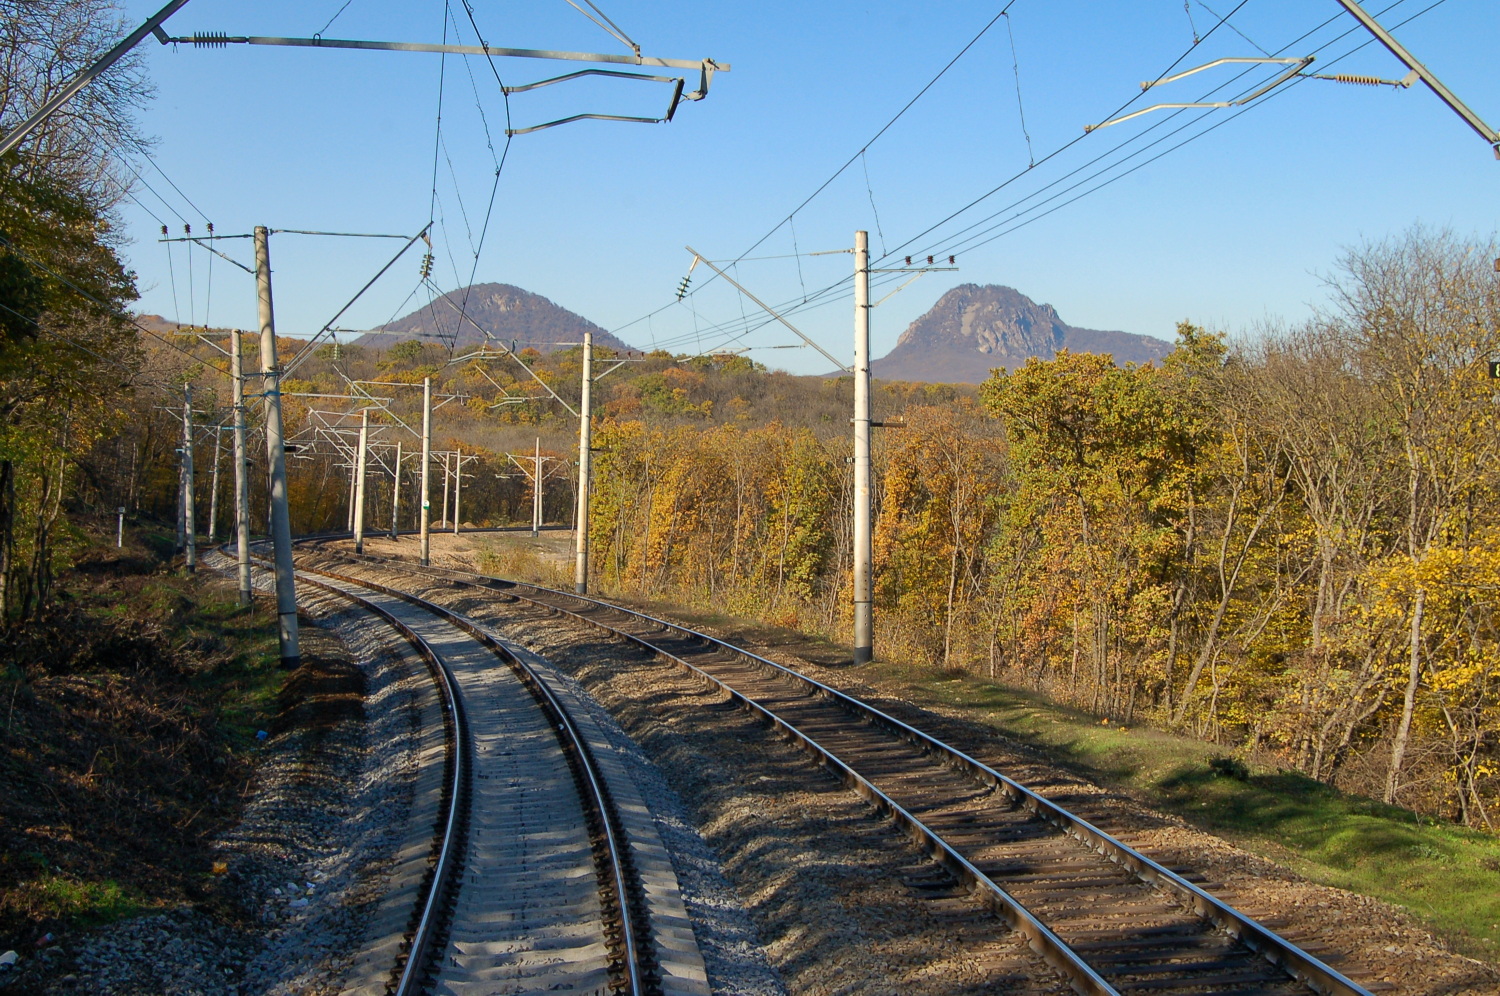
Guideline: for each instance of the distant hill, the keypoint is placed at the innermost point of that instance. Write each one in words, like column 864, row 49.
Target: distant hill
column 506, row 312
column 973, row 329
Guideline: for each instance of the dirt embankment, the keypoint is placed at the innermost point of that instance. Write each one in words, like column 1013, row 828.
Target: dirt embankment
column 128, row 730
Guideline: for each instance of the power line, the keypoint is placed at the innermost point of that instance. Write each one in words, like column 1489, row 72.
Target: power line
column 1065, row 146
column 899, row 114
column 948, row 246
column 87, row 296
column 885, row 127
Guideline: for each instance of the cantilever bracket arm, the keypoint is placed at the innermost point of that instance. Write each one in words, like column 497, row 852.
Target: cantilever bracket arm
column 152, row 26
column 769, row 310
column 1296, row 67
column 1434, row 84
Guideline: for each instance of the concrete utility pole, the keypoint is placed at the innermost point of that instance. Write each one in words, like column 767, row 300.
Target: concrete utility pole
column 1433, row 83
column 241, row 470
column 120, row 528
column 458, row 487
column 281, row 519
column 864, row 619
column 585, row 441
column 349, row 515
column 396, row 495
column 536, row 492
column 213, row 497
column 447, row 486
column 189, row 524
column 359, row 479
column 426, row 469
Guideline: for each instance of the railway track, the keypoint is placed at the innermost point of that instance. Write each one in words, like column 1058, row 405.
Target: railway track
column 533, row 882
column 1107, row 917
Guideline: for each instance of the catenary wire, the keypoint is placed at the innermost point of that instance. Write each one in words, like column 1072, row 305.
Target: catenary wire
column 947, row 246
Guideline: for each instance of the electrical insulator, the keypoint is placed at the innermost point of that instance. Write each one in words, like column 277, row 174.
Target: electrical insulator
column 951, row 261
column 336, row 350
column 210, row 228
column 187, row 229
column 682, row 288
column 426, row 270
column 164, row 232
column 929, row 260
column 908, row 261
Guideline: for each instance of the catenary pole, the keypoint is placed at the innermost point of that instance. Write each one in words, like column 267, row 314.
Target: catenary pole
column 864, row 622
column 536, row 492
column 213, row 497
column 585, row 441
column 281, row 519
column 458, row 487
column 396, row 496
column 349, row 514
column 359, row 481
column 241, row 468
column 447, row 486
column 189, row 522
column 424, row 525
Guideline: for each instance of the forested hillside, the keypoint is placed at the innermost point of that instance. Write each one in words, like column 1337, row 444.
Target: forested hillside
column 1285, row 545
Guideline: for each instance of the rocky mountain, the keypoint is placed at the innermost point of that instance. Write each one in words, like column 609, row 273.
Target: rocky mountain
column 508, row 313
column 973, row 329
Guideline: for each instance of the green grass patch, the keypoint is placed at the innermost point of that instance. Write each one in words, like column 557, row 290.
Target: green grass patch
column 1447, row 875
column 90, row 904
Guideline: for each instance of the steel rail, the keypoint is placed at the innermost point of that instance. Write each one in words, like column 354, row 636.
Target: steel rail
column 637, row 963
column 1040, row 937
column 1299, row 964
column 440, row 879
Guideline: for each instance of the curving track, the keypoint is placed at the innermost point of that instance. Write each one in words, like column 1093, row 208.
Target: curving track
column 1107, row 917
column 531, row 884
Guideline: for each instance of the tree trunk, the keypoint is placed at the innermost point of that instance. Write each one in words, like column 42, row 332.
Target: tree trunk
column 7, row 536
column 1409, row 703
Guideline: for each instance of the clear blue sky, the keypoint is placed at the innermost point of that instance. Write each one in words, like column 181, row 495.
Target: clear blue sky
column 1234, row 228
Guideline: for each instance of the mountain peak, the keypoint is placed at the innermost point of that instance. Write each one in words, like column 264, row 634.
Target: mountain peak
column 506, row 312
column 973, row 329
